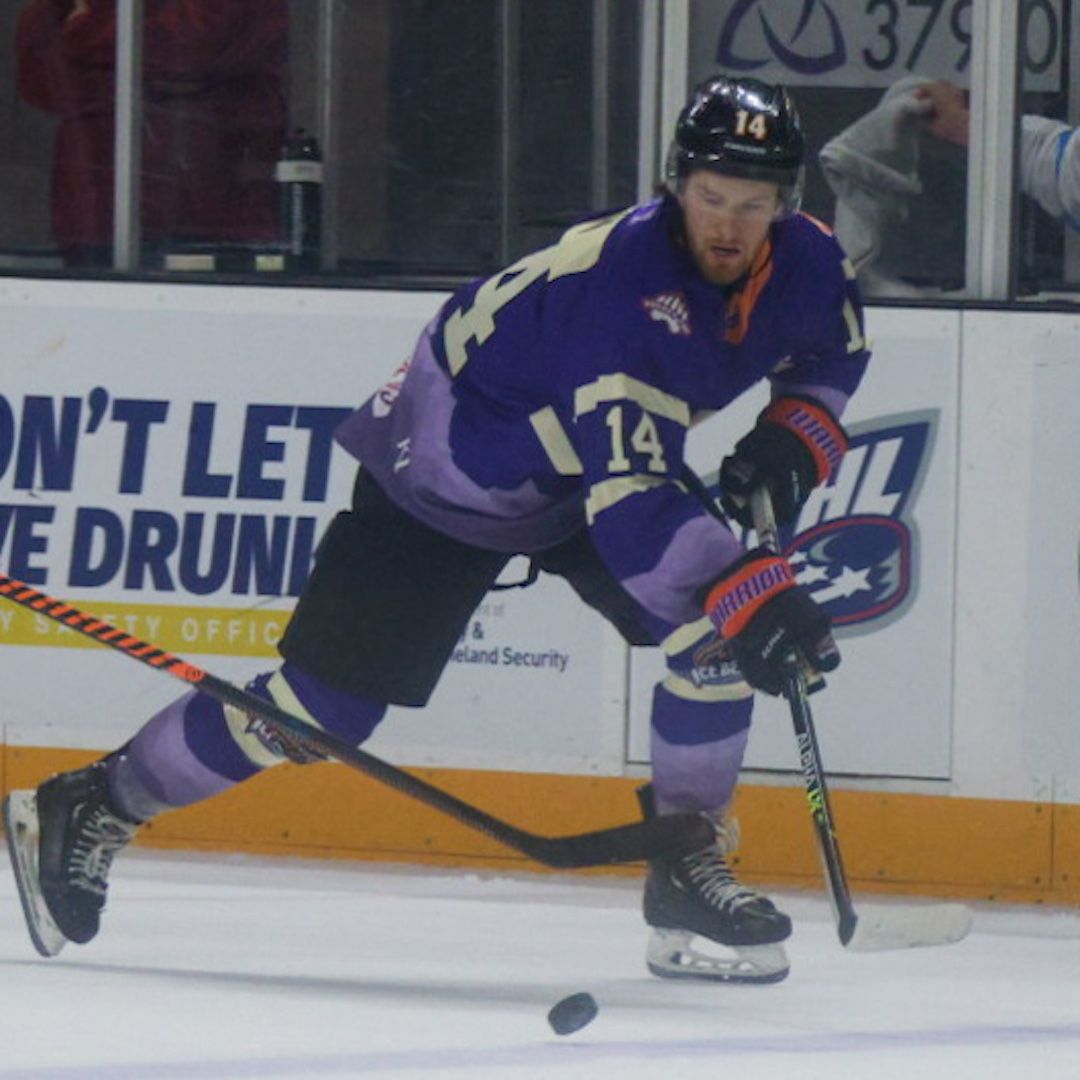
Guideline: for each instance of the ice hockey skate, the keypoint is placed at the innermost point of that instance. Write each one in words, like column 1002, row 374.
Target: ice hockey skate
column 62, row 839
column 697, row 895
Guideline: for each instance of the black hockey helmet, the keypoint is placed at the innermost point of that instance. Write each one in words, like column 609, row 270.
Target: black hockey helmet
column 739, row 127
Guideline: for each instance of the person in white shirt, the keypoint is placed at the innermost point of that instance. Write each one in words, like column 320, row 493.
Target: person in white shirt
column 1049, row 149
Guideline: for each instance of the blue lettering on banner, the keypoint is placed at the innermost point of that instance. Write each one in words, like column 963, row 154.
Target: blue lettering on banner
column 198, row 480
column 507, row 656
column 43, row 443
column 137, row 418
column 196, row 553
column 284, row 451
column 319, row 422
column 19, row 525
column 258, row 449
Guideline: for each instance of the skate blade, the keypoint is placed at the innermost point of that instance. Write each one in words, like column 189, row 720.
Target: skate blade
column 671, row 955
column 21, row 830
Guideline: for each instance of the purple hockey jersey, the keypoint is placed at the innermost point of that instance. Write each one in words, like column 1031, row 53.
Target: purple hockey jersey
column 559, row 392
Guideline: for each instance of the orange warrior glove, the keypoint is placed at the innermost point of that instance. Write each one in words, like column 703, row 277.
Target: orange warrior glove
column 759, row 608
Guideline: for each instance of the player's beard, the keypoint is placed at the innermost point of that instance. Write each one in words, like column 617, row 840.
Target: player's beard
column 721, row 262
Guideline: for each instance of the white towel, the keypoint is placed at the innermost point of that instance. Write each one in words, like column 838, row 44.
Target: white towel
column 873, row 169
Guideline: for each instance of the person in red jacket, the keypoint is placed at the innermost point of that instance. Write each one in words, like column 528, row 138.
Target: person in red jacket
column 214, row 117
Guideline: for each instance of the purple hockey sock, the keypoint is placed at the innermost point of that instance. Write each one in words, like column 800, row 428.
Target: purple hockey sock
column 160, row 769
column 697, row 750
column 187, row 752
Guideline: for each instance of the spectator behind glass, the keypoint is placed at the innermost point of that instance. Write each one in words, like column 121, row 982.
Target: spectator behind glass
column 214, row 116
column 900, row 197
column 1049, row 150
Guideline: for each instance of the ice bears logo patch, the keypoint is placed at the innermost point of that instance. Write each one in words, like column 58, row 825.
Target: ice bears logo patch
column 855, row 546
column 671, row 309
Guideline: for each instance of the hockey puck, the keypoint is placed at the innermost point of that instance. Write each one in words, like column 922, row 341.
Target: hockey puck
column 572, row 1013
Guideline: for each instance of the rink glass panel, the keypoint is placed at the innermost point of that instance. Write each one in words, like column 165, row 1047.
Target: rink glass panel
column 1048, row 251
column 454, row 136
column 26, row 139
column 457, row 136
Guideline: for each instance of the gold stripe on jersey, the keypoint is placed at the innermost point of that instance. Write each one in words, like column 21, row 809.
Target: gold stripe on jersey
column 285, row 698
column 688, row 634
column 577, row 251
column 856, row 343
column 556, row 442
column 608, row 493
column 623, row 387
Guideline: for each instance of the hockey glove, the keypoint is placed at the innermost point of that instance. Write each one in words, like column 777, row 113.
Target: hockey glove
column 758, row 607
column 794, row 446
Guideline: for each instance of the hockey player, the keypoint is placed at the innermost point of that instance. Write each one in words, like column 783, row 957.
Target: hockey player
column 545, row 411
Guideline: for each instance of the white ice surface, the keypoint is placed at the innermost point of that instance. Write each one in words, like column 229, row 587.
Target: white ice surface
column 222, row 968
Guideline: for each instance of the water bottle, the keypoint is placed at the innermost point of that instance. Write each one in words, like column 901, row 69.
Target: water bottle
column 299, row 175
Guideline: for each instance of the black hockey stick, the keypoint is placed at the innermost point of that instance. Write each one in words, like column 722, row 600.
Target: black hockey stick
column 624, row 843
column 892, row 928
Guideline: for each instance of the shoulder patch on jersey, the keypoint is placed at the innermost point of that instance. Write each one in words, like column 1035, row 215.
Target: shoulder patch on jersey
column 671, row 309
column 387, row 394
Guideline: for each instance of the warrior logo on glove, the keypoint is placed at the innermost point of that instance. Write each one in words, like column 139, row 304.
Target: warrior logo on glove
column 764, row 615
column 795, row 445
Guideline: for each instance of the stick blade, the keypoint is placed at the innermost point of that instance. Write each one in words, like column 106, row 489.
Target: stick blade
column 910, row 927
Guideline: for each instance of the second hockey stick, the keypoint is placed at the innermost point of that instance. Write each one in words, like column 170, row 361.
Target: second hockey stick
column 883, row 928
column 624, row 843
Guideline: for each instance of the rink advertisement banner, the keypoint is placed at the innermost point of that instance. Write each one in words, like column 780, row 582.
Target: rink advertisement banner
column 161, row 504
column 167, row 463
column 874, row 547
column 863, row 43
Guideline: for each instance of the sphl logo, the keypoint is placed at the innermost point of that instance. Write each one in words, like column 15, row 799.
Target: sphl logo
column 854, row 546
